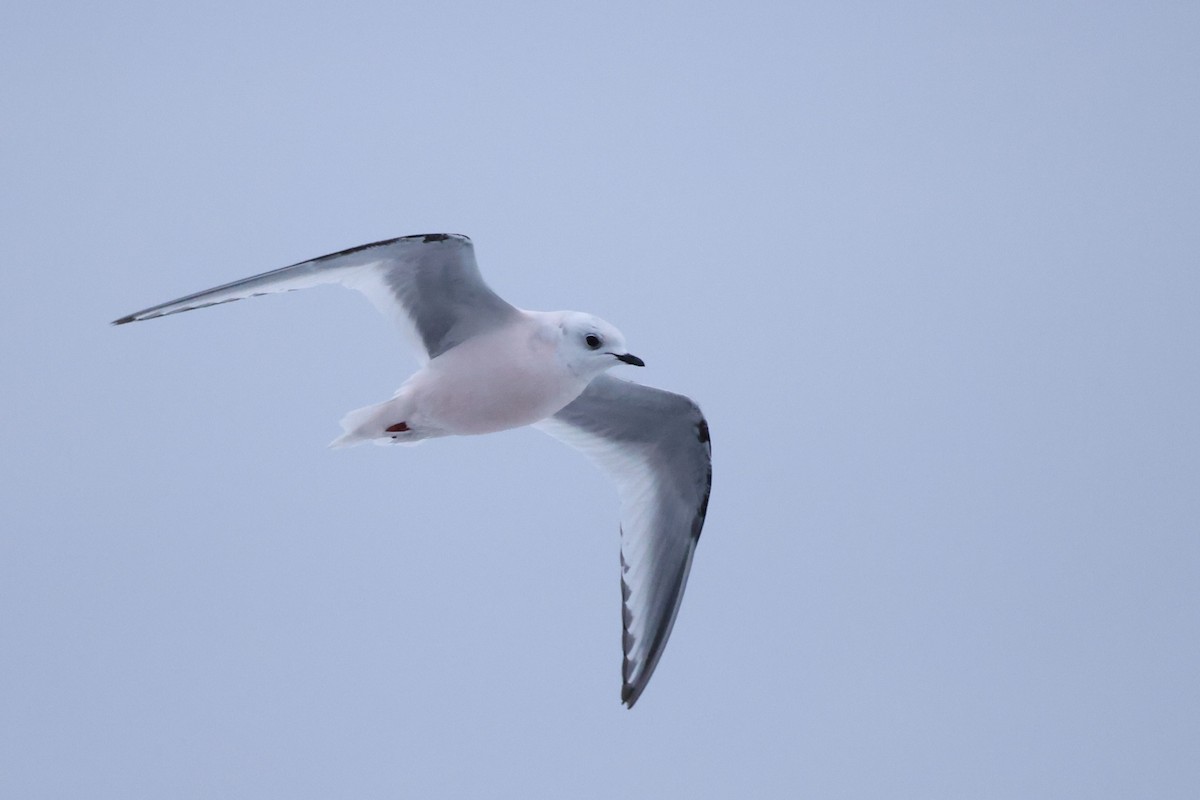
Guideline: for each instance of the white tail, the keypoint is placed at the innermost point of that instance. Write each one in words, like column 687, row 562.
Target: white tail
column 371, row 423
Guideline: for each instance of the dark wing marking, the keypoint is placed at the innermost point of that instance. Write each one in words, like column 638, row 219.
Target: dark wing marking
column 429, row 284
column 655, row 446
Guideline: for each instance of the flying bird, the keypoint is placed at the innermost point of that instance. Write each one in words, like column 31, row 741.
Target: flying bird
column 488, row 366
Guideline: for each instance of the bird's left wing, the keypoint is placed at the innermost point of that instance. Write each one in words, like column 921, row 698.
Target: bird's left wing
column 429, row 284
column 655, row 446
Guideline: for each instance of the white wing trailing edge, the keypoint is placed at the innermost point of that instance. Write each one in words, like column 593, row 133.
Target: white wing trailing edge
column 655, row 446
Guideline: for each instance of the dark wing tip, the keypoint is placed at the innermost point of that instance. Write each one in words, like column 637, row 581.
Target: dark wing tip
column 630, row 692
column 124, row 320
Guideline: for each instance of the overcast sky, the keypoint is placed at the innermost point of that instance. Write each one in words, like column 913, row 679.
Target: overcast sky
column 930, row 270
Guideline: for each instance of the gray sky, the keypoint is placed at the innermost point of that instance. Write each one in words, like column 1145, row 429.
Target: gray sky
column 931, row 273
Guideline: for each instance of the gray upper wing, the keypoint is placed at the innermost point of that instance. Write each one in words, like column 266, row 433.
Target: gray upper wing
column 655, row 446
column 428, row 283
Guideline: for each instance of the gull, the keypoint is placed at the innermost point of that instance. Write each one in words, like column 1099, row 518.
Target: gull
column 488, row 366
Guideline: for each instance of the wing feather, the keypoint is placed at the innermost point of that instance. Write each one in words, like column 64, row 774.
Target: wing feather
column 655, row 446
column 429, row 284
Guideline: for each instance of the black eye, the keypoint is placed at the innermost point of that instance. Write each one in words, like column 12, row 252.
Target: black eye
column 592, row 341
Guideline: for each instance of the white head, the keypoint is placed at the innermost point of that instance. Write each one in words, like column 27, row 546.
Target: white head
column 589, row 345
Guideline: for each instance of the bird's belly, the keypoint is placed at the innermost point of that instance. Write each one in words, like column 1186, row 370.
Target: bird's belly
column 496, row 397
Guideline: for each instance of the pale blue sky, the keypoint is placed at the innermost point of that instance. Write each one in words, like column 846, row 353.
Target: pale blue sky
column 931, row 271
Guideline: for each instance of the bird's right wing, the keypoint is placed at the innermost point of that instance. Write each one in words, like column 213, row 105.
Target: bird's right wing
column 655, row 447
column 429, row 284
